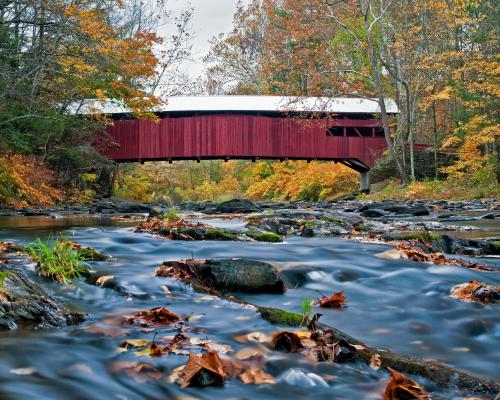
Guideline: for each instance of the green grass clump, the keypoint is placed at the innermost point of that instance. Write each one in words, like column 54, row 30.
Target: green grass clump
column 422, row 236
column 307, row 309
column 170, row 216
column 56, row 259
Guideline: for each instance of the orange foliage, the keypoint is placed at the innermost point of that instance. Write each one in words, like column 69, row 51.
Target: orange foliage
column 26, row 181
column 294, row 180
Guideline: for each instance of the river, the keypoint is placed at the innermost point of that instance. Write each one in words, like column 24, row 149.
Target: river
column 400, row 305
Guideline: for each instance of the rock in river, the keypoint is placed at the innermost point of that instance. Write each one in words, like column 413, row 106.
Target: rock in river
column 231, row 275
column 23, row 302
column 237, row 206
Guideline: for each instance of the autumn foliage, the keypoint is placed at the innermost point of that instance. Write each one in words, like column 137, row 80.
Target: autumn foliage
column 24, row 181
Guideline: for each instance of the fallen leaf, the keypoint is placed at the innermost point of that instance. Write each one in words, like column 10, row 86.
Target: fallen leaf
column 141, row 372
column 256, row 376
column 103, row 279
column 135, row 343
column 375, row 362
column 287, row 341
column 158, row 316
column 475, row 291
column 204, row 370
column 3, row 297
column 402, row 388
column 337, row 300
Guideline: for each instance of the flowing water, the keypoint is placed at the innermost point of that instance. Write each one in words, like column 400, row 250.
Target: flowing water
column 395, row 304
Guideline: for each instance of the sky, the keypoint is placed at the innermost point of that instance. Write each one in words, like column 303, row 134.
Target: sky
column 211, row 17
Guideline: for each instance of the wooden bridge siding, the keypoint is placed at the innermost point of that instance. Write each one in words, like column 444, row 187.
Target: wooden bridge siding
column 243, row 136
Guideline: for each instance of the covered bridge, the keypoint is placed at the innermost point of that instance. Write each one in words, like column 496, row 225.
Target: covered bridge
column 345, row 130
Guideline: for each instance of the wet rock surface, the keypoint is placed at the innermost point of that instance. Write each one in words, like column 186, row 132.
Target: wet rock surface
column 228, row 275
column 25, row 303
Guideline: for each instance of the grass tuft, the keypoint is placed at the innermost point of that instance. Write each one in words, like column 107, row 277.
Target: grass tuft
column 57, row 259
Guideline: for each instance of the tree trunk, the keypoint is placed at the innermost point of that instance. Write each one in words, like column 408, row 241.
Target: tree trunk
column 434, row 120
column 381, row 100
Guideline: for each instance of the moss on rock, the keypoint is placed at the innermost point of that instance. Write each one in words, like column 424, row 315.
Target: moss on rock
column 220, row 234
column 280, row 317
column 264, row 236
column 422, row 236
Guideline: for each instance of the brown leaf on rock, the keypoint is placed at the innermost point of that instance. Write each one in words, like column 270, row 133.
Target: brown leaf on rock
column 204, row 370
column 287, row 341
column 475, row 291
column 337, row 300
column 256, row 376
column 402, row 388
column 158, row 316
column 103, row 279
column 415, row 254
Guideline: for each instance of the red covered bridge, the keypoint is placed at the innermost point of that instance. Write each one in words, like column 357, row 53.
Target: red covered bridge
column 344, row 130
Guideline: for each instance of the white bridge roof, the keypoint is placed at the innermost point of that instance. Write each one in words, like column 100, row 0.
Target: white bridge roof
column 339, row 105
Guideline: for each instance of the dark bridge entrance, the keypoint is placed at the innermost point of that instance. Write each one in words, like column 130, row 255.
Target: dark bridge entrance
column 248, row 127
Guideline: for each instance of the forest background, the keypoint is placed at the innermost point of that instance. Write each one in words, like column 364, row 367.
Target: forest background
column 438, row 59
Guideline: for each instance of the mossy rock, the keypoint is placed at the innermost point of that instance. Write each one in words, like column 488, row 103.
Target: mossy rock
column 334, row 220
column 495, row 247
column 281, row 317
column 259, row 236
column 422, row 236
column 308, row 223
column 91, row 254
column 220, row 234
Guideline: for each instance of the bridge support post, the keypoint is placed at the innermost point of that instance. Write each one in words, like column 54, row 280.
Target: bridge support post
column 364, row 182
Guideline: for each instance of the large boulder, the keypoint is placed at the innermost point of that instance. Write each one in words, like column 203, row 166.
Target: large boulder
column 237, row 206
column 242, row 275
column 374, row 213
column 227, row 275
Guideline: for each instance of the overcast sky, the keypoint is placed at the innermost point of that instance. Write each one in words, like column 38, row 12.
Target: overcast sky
column 211, row 17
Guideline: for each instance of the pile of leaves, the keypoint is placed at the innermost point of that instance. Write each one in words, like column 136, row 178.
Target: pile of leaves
column 183, row 270
column 409, row 250
column 156, row 225
column 10, row 247
column 415, row 254
column 475, row 291
column 317, row 346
